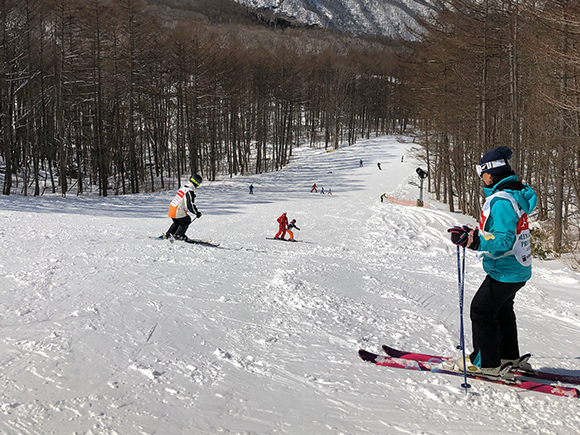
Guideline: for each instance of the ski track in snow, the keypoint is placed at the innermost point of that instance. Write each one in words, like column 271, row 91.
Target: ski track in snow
column 105, row 331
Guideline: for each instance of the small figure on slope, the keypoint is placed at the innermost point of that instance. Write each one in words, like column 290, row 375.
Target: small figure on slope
column 251, row 189
column 182, row 204
column 291, row 227
column 314, row 188
column 283, row 225
column 503, row 239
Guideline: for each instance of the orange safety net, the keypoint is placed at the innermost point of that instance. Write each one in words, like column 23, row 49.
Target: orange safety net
column 410, row 202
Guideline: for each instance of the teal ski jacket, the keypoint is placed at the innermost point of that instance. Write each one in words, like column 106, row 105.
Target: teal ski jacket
column 500, row 231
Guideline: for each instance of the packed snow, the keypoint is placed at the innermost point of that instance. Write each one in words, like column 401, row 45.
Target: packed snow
column 106, row 331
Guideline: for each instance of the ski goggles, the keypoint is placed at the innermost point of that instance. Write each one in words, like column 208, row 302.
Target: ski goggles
column 490, row 165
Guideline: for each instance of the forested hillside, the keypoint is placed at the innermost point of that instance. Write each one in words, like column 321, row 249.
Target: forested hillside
column 495, row 73
column 127, row 96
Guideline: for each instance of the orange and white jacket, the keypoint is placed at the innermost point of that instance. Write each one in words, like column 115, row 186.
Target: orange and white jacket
column 182, row 203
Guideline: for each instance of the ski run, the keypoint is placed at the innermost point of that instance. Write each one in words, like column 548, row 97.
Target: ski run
column 106, row 331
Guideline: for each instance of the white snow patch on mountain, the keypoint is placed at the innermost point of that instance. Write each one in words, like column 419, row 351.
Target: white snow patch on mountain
column 385, row 17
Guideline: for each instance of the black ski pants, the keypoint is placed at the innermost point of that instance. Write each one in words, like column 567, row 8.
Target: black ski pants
column 179, row 226
column 493, row 322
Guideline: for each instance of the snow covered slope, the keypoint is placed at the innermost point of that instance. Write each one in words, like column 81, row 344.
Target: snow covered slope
column 105, row 331
column 384, row 17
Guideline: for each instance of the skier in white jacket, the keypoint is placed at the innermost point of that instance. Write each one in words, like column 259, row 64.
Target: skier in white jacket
column 180, row 208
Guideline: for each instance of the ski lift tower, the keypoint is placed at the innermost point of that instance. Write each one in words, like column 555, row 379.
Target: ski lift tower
column 422, row 175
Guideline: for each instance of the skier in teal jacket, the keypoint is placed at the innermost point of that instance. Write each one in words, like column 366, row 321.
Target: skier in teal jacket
column 500, row 230
column 503, row 241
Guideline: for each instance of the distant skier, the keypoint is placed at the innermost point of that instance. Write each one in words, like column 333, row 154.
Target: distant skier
column 503, row 241
column 329, row 191
column 282, row 226
column 360, row 163
column 379, row 165
column 291, row 226
column 322, row 190
column 383, row 196
column 251, row 189
column 182, row 203
column 314, row 188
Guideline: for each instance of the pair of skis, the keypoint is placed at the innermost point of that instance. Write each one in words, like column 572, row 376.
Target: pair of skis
column 192, row 241
column 283, row 240
column 541, row 381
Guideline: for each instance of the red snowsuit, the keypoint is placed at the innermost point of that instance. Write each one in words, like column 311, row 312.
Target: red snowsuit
column 283, row 221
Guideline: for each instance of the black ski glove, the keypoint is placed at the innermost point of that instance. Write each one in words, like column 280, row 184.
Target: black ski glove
column 465, row 237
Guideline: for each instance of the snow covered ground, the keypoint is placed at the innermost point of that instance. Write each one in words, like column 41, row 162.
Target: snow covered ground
column 105, row 331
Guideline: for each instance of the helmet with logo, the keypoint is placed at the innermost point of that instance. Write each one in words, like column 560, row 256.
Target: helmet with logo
column 194, row 181
column 495, row 162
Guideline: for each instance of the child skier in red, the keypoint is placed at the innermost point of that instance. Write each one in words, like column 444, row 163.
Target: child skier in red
column 283, row 225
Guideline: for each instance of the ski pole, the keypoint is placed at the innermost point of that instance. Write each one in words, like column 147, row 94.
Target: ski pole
column 461, row 281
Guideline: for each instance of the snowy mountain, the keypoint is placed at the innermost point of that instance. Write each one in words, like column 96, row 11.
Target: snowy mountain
column 385, row 17
column 106, row 331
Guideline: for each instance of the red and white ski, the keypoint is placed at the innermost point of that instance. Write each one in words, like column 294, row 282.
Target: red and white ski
column 538, row 374
column 438, row 366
